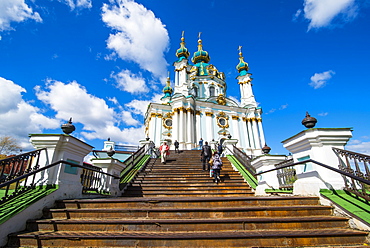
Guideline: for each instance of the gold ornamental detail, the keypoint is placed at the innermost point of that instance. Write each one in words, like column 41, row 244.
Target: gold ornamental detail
column 209, row 114
column 235, row 117
column 198, row 112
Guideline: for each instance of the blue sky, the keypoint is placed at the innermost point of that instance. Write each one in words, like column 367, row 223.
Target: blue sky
column 102, row 61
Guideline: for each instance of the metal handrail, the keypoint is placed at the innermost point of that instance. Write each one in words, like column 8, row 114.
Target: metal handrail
column 20, row 189
column 321, row 164
column 243, row 158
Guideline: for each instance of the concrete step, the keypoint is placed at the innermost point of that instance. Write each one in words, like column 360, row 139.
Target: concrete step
column 198, row 225
column 181, row 202
column 250, row 238
column 186, row 213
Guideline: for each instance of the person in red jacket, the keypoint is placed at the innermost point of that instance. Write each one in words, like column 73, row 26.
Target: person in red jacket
column 165, row 151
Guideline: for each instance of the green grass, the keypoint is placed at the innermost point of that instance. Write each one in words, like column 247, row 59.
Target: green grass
column 349, row 202
column 251, row 180
column 131, row 172
column 21, row 202
column 283, row 191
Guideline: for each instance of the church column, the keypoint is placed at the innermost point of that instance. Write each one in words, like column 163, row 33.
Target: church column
column 175, row 125
column 176, row 78
column 190, row 128
column 250, row 133
column 262, row 135
column 209, row 126
column 158, row 128
column 181, row 127
column 198, row 126
column 151, row 132
column 236, row 134
column 255, row 133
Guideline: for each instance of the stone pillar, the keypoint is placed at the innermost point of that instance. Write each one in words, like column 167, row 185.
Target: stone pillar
column 250, row 133
column 61, row 147
column 190, row 129
column 175, row 126
column 268, row 180
column 152, row 126
column 182, row 128
column 257, row 141
column 113, row 167
column 235, row 121
column 198, row 127
column 262, row 135
column 209, row 127
column 316, row 144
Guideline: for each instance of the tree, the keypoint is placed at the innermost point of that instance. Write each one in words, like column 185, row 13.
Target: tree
column 8, row 145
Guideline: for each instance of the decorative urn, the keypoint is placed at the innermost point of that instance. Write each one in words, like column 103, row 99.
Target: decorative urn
column 309, row 121
column 68, row 127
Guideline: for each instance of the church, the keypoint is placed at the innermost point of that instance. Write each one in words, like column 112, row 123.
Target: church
column 197, row 106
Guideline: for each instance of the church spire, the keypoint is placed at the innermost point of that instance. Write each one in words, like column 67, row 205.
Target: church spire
column 182, row 52
column 200, row 55
column 242, row 67
column 167, row 90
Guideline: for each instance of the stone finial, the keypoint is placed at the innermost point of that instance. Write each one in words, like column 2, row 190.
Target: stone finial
column 68, row 127
column 266, row 149
column 308, row 121
column 111, row 152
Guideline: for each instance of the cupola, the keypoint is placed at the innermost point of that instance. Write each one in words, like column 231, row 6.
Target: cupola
column 167, row 90
column 242, row 67
column 182, row 52
column 200, row 55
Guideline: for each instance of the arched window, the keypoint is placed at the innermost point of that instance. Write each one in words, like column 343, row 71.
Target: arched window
column 211, row 91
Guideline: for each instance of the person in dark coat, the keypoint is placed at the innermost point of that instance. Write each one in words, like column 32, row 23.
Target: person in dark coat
column 176, row 144
column 206, row 155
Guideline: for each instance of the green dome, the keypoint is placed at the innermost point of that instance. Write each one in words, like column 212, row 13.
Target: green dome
column 200, row 55
column 242, row 67
column 167, row 90
column 182, row 52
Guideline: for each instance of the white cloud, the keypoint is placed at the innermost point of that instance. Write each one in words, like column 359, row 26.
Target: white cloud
column 79, row 4
column 321, row 13
column 98, row 119
column 138, row 35
column 283, row 106
column 19, row 118
column 323, row 114
column 128, row 119
column 318, row 80
column 140, row 106
column 15, row 11
column 127, row 81
column 72, row 100
column 359, row 146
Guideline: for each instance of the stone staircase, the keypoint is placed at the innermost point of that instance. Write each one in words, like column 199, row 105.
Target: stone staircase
column 179, row 205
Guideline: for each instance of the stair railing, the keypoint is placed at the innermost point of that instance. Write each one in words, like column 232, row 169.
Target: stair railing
column 131, row 170
column 286, row 175
column 346, row 173
column 19, row 174
column 243, row 158
column 355, row 164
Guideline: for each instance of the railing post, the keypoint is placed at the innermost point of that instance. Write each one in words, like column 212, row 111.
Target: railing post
column 61, row 147
column 269, row 180
column 111, row 166
column 317, row 144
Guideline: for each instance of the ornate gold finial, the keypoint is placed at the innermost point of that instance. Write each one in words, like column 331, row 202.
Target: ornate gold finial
column 240, row 51
column 221, row 99
column 199, row 35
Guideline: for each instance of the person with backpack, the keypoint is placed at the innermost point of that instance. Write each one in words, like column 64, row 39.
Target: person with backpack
column 216, row 167
column 206, row 155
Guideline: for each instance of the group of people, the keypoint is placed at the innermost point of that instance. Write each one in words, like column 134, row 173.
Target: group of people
column 213, row 161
